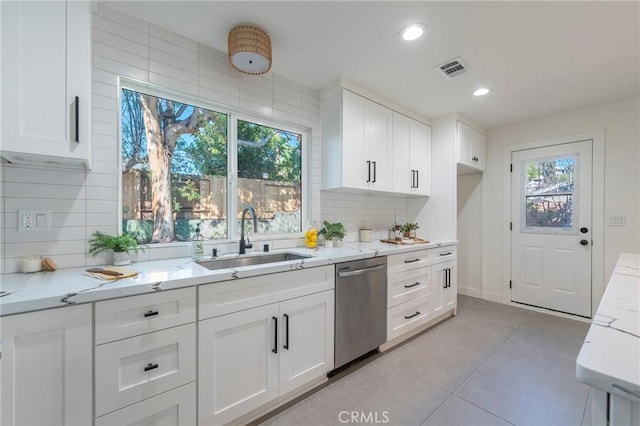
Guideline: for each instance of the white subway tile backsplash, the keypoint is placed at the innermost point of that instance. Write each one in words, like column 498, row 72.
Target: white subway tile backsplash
column 174, row 72
column 219, row 97
column 107, row 78
column 102, row 180
column 169, row 50
column 43, row 176
column 189, row 88
column 104, row 166
column 104, row 141
column 174, row 38
column 161, row 57
column 55, row 205
column 68, row 233
column 219, row 86
column 139, row 35
column 119, row 68
column 108, row 103
column 102, row 193
column 118, row 55
column 104, row 116
column 107, row 90
column 122, row 18
column 101, row 219
column 114, row 39
column 105, row 129
column 42, row 191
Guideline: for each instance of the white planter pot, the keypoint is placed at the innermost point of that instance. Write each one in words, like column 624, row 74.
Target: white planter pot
column 328, row 244
column 121, row 258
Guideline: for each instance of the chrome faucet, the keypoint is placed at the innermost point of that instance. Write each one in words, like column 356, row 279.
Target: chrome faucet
column 244, row 245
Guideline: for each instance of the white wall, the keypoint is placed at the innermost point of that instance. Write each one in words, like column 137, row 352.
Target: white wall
column 620, row 122
column 83, row 202
column 469, row 234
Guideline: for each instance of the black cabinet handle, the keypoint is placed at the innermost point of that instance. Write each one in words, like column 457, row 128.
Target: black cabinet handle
column 412, row 285
column 413, row 179
column 77, row 123
column 444, row 278
column 584, row 230
column 286, row 332
column 584, row 242
column 368, row 171
column 150, row 314
column 411, row 261
column 275, row 335
column 412, row 315
column 150, row 366
column 417, row 178
column 446, row 254
column 374, row 171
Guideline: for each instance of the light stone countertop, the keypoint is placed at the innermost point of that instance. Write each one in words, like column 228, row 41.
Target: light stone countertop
column 42, row 290
column 610, row 356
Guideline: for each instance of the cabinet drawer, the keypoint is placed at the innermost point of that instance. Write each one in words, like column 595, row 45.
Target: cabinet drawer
column 176, row 407
column 232, row 296
column 405, row 286
column 443, row 254
column 131, row 316
column 408, row 261
column 407, row 316
column 130, row 370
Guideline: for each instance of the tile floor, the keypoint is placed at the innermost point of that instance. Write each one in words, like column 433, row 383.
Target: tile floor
column 492, row 364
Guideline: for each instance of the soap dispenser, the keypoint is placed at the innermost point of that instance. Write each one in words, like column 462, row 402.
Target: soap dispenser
column 197, row 244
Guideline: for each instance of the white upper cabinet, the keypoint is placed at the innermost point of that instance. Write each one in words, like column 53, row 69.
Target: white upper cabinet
column 411, row 156
column 357, row 143
column 472, row 147
column 46, row 82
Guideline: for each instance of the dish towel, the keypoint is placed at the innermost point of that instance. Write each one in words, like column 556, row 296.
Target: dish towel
column 126, row 273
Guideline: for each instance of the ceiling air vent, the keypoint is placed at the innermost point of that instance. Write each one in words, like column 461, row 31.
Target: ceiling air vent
column 453, row 68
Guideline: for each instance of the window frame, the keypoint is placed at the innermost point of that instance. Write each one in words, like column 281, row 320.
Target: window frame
column 233, row 115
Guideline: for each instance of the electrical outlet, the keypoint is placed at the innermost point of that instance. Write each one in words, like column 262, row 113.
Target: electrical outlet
column 34, row 220
column 617, row 220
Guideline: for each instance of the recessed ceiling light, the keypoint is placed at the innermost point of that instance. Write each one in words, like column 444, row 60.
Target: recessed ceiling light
column 412, row 32
column 480, row 92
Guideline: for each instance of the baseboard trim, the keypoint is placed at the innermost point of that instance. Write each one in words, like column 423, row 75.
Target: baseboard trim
column 492, row 297
column 470, row 291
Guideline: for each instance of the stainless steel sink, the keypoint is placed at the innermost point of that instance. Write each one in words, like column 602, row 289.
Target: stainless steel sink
column 254, row 259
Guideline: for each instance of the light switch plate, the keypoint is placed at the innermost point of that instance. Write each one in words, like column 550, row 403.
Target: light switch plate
column 34, row 220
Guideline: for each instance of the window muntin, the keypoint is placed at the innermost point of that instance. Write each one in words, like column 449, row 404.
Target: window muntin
column 549, row 200
column 266, row 160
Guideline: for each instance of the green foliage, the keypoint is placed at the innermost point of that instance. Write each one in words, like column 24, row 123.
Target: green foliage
column 121, row 243
column 188, row 190
column 142, row 229
column 409, row 227
column 333, row 230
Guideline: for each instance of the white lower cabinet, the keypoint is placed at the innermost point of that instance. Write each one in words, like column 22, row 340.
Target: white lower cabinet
column 46, row 367
column 173, row 408
column 249, row 358
column 408, row 316
column 133, row 369
column 444, row 287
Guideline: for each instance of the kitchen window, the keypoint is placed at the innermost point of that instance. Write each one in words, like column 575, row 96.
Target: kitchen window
column 188, row 166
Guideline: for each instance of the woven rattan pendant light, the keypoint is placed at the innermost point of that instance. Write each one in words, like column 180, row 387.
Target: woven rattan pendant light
column 250, row 49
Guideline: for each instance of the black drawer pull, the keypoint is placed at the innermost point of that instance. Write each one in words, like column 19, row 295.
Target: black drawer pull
column 446, row 254
column 412, row 315
column 77, row 123
column 412, row 285
column 369, row 171
column 411, row 261
column 286, row 332
column 150, row 367
column 150, row 314
column 275, row 335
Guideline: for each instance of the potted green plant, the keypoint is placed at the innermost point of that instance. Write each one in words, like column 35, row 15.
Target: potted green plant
column 332, row 232
column 121, row 245
column 395, row 231
column 409, row 229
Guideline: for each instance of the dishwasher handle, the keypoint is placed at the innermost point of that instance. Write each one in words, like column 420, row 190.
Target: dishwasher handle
column 360, row 271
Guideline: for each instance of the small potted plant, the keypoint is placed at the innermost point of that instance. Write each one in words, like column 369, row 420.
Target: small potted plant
column 395, row 231
column 409, row 229
column 333, row 233
column 121, row 245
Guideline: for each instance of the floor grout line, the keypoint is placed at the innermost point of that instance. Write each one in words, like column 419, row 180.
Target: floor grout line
column 484, row 409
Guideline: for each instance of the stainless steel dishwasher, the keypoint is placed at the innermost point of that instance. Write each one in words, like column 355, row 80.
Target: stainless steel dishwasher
column 361, row 308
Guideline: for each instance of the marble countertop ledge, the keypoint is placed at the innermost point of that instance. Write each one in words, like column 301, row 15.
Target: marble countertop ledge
column 610, row 356
column 21, row 293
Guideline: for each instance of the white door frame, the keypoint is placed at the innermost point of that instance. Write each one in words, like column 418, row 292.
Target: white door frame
column 597, row 225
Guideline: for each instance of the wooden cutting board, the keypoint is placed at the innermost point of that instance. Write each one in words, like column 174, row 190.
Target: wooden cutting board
column 399, row 242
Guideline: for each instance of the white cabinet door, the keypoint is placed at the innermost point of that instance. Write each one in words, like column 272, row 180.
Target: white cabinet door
column 47, row 367
column 403, row 172
column 238, row 368
column 411, row 156
column 356, row 164
column 46, row 64
column 306, row 343
column 379, row 137
column 421, row 158
column 444, row 285
column 451, row 291
column 471, row 148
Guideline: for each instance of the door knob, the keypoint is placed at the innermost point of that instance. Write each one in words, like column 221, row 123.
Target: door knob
column 584, row 242
column 584, row 230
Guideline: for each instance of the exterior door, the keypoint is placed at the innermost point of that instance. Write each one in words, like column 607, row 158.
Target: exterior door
column 551, row 227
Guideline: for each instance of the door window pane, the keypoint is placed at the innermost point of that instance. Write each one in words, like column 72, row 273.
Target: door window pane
column 549, row 194
column 270, row 177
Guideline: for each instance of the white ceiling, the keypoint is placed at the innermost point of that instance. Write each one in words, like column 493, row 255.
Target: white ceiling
column 538, row 58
